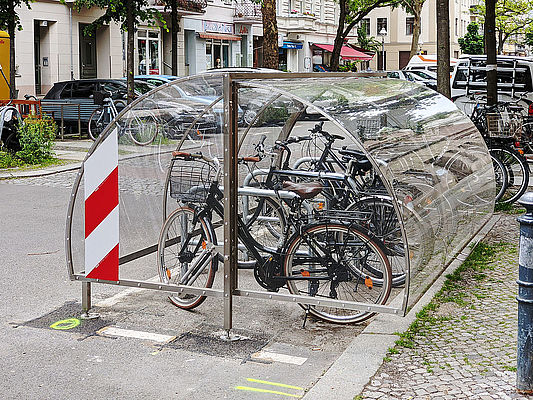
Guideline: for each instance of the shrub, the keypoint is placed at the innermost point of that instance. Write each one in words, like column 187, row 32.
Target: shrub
column 36, row 137
column 8, row 159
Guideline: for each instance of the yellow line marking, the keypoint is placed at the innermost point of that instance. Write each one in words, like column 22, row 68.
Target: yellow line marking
column 251, row 389
column 274, row 384
column 66, row 324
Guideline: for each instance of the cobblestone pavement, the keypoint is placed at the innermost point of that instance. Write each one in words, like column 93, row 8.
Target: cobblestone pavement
column 468, row 351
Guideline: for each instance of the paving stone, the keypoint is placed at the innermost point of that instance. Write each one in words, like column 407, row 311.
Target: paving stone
column 471, row 350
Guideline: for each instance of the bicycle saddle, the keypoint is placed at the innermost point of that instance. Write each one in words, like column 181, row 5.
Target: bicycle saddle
column 306, row 190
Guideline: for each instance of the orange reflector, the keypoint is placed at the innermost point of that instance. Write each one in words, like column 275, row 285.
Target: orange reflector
column 520, row 151
column 320, row 206
column 168, row 274
column 305, row 273
column 368, row 282
column 204, row 244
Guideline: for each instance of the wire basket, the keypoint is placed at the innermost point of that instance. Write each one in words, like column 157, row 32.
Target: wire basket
column 504, row 125
column 190, row 180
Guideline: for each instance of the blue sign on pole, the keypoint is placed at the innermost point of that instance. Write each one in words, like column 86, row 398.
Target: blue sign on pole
column 292, row 45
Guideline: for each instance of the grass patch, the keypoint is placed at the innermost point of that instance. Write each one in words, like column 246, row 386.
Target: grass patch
column 50, row 162
column 509, row 208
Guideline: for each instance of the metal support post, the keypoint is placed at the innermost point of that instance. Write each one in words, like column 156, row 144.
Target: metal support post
column 86, row 297
column 524, row 370
column 230, row 198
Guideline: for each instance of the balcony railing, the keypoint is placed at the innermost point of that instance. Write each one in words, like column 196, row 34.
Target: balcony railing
column 246, row 10
column 187, row 5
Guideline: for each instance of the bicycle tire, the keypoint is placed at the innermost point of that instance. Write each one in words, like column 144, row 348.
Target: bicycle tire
column 142, row 130
column 354, row 250
column 517, row 173
column 500, row 176
column 174, row 265
column 97, row 122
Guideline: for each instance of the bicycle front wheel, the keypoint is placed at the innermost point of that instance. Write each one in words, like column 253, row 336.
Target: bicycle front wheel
column 186, row 256
column 501, row 177
column 336, row 261
column 517, row 173
column 97, row 122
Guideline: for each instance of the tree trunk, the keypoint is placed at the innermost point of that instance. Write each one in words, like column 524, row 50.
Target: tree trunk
column 490, row 43
column 339, row 38
column 270, row 35
column 130, row 26
column 443, row 48
column 174, row 33
column 416, row 29
column 11, row 31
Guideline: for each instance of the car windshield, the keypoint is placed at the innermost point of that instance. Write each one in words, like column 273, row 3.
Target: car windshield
column 422, row 74
column 143, row 87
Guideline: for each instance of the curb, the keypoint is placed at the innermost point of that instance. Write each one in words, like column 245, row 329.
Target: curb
column 351, row 372
column 40, row 172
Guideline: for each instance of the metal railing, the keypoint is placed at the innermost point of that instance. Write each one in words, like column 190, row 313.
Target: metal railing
column 248, row 10
column 188, row 5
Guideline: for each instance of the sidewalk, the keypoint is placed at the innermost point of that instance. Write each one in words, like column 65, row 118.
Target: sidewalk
column 463, row 347
column 70, row 150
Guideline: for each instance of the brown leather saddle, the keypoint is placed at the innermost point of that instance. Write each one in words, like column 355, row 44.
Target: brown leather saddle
column 306, row 190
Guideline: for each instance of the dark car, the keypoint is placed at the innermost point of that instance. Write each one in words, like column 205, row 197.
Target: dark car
column 69, row 100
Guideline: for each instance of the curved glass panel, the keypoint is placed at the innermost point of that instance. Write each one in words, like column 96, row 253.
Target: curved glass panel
column 394, row 160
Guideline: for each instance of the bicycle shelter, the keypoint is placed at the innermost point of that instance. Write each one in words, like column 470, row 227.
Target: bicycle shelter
column 430, row 170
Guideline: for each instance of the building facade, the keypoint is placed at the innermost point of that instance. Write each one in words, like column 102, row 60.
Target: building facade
column 54, row 45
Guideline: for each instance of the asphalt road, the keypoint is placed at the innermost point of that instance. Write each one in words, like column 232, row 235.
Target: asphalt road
column 189, row 362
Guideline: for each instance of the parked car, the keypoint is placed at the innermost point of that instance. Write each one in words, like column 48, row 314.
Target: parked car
column 412, row 77
column 69, row 100
column 427, row 62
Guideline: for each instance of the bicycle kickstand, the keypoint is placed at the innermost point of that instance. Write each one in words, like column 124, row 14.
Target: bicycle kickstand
column 305, row 316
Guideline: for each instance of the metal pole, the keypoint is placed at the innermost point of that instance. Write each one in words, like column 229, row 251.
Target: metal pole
column 524, row 367
column 86, row 297
column 230, row 199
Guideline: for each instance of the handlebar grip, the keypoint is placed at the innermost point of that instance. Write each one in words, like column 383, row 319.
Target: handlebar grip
column 250, row 159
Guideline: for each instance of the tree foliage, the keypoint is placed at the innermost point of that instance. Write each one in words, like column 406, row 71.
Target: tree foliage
column 351, row 12
column 512, row 17
column 529, row 38
column 367, row 42
column 472, row 42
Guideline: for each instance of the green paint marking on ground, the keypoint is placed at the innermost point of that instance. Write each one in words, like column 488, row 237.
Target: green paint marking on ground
column 252, row 389
column 274, row 384
column 66, row 324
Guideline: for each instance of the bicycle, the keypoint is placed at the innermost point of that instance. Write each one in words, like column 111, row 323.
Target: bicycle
column 320, row 259
column 141, row 129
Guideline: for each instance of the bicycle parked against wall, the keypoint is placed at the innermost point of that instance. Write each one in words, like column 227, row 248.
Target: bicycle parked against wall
column 141, row 128
column 327, row 258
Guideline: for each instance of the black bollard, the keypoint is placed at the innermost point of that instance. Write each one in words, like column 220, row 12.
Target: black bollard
column 524, row 367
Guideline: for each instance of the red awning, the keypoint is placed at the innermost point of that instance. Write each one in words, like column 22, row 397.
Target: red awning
column 347, row 53
column 221, row 36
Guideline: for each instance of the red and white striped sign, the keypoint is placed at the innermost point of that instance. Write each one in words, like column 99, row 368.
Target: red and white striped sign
column 101, row 211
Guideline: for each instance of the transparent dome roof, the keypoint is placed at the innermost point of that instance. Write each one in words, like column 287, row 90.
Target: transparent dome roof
column 393, row 158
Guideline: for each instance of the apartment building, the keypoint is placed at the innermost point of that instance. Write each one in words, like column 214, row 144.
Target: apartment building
column 397, row 26
column 54, row 46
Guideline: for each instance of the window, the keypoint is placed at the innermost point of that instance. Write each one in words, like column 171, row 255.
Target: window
column 66, row 92
column 83, row 89
column 366, row 23
column 148, row 46
column 409, row 25
column 382, row 24
column 456, row 27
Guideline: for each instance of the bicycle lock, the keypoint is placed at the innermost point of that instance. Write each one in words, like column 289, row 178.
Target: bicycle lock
column 524, row 367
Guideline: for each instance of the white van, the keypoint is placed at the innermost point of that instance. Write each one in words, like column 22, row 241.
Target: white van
column 515, row 77
column 427, row 62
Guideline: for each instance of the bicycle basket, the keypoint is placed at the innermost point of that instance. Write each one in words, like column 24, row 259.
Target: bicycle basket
column 99, row 97
column 504, row 125
column 190, row 180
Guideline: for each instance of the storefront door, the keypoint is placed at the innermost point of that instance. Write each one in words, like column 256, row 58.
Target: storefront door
column 149, row 48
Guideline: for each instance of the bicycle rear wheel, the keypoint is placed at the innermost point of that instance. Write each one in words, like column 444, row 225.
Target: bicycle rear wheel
column 517, row 172
column 185, row 256
column 142, row 129
column 501, row 177
column 337, row 261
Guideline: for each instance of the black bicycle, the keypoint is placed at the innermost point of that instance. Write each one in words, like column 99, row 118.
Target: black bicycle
column 326, row 258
